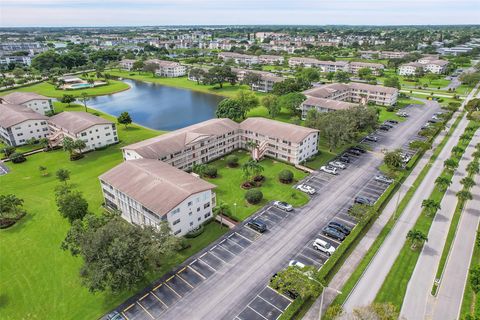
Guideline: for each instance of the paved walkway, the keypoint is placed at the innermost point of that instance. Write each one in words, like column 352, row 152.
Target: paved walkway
column 423, row 277
column 449, row 299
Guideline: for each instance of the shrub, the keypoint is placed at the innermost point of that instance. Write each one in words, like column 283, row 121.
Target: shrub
column 17, row 157
column 76, row 156
column 8, row 150
column 232, row 161
column 195, row 232
column 285, row 176
column 391, row 108
column 254, row 196
column 210, row 171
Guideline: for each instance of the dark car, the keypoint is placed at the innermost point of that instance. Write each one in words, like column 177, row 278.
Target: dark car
column 359, row 148
column 363, row 200
column 392, row 121
column 115, row 315
column 354, row 151
column 333, row 233
column 388, row 124
column 344, row 158
column 257, row 225
column 371, row 138
column 433, row 120
column 384, row 127
column 340, row 227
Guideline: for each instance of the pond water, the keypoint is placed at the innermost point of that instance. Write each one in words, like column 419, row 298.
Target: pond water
column 159, row 107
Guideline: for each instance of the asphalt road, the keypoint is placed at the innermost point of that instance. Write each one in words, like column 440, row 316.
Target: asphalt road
column 368, row 286
column 234, row 289
column 423, row 277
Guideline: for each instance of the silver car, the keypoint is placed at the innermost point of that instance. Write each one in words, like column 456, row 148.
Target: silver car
column 338, row 164
column 329, row 169
column 383, row 179
column 283, row 205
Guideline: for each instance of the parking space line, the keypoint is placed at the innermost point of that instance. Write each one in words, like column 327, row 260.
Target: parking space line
column 256, row 311
column 235, row 242
column 208, row 264
column 213, row 254
column 280, row 294
column 129, row 307
column 243, row 236
column 308, row 258
column 317, row 252
column 224, row 248
column 145, row 309
column 172, row 289
column 190, row 268
column 146, row 295
column 256, row 232
column 343, row 220
column 123, row 314
column 270, row 303
column 159, row 299
column 180, row 277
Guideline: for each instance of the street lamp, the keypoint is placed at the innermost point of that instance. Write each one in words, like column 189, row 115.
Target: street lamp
column 235, row 209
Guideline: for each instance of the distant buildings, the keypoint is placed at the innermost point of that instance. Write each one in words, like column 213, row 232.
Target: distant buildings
column 25, row 60
column 377, row 68
column 169, row 69
column 34, row 101
column 270, row 59
column 383, row 54
column 95, row 131
column 126, row 64
column 266, row 82
column 340, row 96
column 426, row 64
column 19, row 123
column 334, row 66
column 238, row 58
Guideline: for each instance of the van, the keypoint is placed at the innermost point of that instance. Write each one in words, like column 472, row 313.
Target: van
column 324, row 246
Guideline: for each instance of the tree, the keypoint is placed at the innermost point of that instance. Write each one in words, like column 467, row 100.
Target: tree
column 361, row 212
column 256, row 168
column 470, row 78
column 416, row 237
column 292, row 101
column 151, row 67
column 299, row 281
column 364, row 73
column 392, row 82
column 11, row 209
column 473, row 167
column 8, row 150
column 219, row 75
column 474, row 276
column 270, row 102
column 197, row 74
column 63, row 175
column 220, row 210
column 288, row 85
column 443, row 182
column 252, row 78
column 232, row 161
column 199, row 168
column 72, row 205
column 458, row 151
column 43, row 170
column 450, row 164
column 68, row 144
column 68, row 99
column 229, row 108
column 330, row 76
column 285, row 176
column 210, row 171
column 393, row 159
column 430, row 206
column 84, row 98
column 79, row 145
column 125, row 119
column 342, row 76
column 464, row 195
column 17, row 157
column 138, row 65
column 117, row 256
column 246, row 100
column 309, row 74
column 375, row 311
column 420, row 145
column 467, row 182
column 473, row 105
column 253, row 196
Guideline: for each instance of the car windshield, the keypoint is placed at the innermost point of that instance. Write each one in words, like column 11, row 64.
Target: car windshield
column 283, row 204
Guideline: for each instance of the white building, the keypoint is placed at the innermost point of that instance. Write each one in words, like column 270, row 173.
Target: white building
column 270, row 59
column 168, row 69
column 238, row 58
column 265, row 83
column 383, row 54
column 127, row 64
column 147, row 192
column 97, row 132
column 427, row 64
column 36, row 102
column 377, row 68
column 25, row 60
column 18, row 124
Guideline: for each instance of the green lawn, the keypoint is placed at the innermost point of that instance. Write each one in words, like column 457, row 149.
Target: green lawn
column 183, row 82
column 39, row 280
column 403, row 102
column 47, row 89
column 229, row 182
column 388, row 115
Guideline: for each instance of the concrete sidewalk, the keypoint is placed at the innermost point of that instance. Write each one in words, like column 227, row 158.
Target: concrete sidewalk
column 448, row 303
column 423, row 277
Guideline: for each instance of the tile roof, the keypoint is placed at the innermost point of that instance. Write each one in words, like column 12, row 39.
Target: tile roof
column 75, row 122
column 277, row 129
column 22, row 97
column 12, row 114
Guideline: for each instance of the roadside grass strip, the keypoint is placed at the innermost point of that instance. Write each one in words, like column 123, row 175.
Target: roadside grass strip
column 395, row 285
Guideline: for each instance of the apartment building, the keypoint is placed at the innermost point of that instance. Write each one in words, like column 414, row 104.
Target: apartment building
column 377, row 68
column 355, row 93
column 36, row 102
column 427, row 64
column 238, row 58
column 283, row 141
column 127, row 64
column 368, row 54
column 265, row 83
column 25, row 60
column 169, row 69
column 19, row 123
column 97, row 132
column 270, row 59
column 148, row 192
column 303, row 62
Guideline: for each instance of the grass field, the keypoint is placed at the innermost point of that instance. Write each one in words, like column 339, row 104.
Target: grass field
column 40, row 281
column 47, row 89
column 229, row 182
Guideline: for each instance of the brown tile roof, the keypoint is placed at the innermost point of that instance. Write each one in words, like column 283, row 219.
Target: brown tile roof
column 277, row 129
column 22, row 97
column 75, row 122
column 12, row 114
column 157, row 185
column 328, row 103
column 367, row 64
column 324, row 91
column 175, row 141
column 163, row 63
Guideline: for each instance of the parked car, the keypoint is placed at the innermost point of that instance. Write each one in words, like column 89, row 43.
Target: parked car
column 383, row 179
column 426, row 125
column 295, row 263
column 388, row 124
column 323, row 246
column 405, row 157
column 338, row 164
column 340, row 227
column 283, row 205
column 115, row 315
column 333, row 233
column 257, row 225
column 371, row 138
column 344, row 158
column 384, row 127
column 354, row 152
column 403, row 114
column 363, row 200
column 433, row 120
column 306, row 189
column 359, row 148
column 392, row 121
column 329, row 169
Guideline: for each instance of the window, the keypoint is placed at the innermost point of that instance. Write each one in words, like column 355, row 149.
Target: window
column 207, row 215
column 176, row 222
column 176, row 211
column 206, row 205
column 198, row 209
column 190, row 203
column 191, row 223
column 177, row 232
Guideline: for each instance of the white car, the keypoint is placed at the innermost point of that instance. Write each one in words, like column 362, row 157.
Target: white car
column 306, row 189
column 383, row 179
column 338, row 164
column 403, row 114
column 329, row 169
column 295, row 263
column 283, row 205
column 324, row 246
column 405, row 157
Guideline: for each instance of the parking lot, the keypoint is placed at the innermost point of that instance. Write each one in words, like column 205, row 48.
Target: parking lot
column 268, row 304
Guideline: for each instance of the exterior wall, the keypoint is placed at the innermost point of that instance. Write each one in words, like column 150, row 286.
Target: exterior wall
column 188, row 215
column 127, row 65
column 97, row 136
column 407, row 70
column 307, row 107
column 355, row 67
column 171, row 72
column 41, row 106
column 18, row 134
column 435, row 68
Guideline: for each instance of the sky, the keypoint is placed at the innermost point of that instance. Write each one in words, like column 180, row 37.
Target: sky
column 33, row 13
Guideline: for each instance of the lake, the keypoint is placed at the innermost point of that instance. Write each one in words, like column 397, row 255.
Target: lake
column 159, row 107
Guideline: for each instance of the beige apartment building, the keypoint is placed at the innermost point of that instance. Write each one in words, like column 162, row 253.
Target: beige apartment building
column 270, row 59
column 168, row 69
column 38, row 103
column 377, row 68
column 238, row 58
column 126, row 64
column 267, row 79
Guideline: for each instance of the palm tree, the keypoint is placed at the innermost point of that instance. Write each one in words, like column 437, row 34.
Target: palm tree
column 199, row 168
column 84, row 98
column 79, row 145
column 458, row 151
column 416, row 237
column 476, row 154
column 256, row 168
column 467, row 182
column 450, row 164
column 464, row 195
column 10, row 205
column 43, row 142
column 431, row 206
column 443, row 182
column 465, row 137
column 251, row 144
column 247, row 172
column 43, row 170
column 473, row 168
column 68, row 144
column 220, row 210
column 63, row 175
